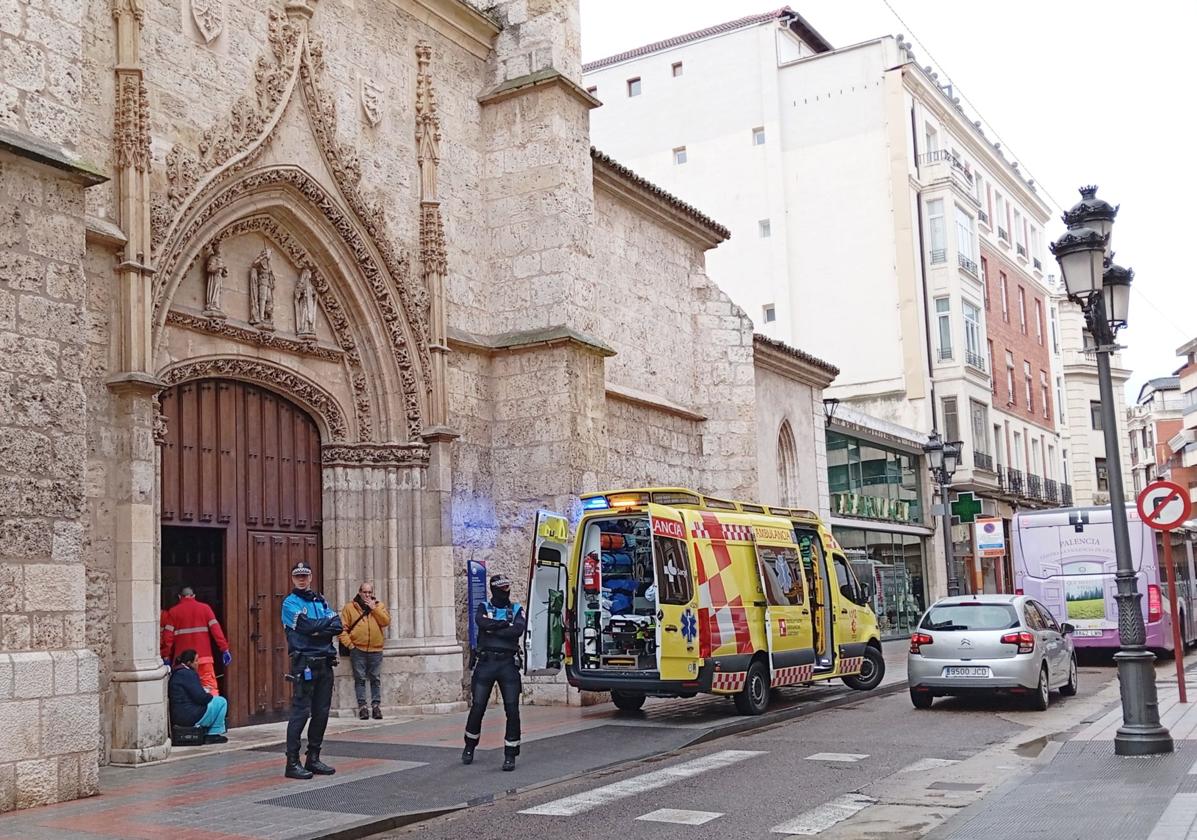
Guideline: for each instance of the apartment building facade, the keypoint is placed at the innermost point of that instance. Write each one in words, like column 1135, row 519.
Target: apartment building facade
column 1184, row 443
column 873, row 222
column 1154, row 419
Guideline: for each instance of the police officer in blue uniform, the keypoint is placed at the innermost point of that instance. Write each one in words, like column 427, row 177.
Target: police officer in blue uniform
column 501, row 624
column 311, row 627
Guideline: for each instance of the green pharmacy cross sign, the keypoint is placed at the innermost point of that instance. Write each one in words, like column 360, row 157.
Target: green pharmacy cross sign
column 966, row 508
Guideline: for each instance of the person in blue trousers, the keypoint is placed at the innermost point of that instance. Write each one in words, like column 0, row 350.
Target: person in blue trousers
column 191, row 705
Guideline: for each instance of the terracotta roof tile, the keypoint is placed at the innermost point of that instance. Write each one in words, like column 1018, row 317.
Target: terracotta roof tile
column 819, row 43
column 796, row 353
column 669, row 198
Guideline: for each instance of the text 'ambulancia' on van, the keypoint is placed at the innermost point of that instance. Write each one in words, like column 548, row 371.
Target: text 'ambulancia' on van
column 666, row 592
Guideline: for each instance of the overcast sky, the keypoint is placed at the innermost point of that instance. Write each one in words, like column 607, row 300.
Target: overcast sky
column 1095, row 92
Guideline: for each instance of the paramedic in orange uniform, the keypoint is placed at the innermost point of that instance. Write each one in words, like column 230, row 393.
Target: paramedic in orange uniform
column 191, row 624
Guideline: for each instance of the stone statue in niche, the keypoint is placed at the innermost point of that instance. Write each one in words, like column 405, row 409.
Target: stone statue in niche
column 305, row 305
column 372, row 101
column 261, row 292
column 215, row 270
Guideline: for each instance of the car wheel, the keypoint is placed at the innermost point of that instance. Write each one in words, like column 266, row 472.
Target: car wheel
column 1069, row 689
column 872, row 670
column 753, row 699
column 1042, row 695
column 628, row 701
column 921, row 699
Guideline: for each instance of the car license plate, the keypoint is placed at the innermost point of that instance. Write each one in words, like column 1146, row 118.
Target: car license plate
column 1088, row 633
column 958, row 671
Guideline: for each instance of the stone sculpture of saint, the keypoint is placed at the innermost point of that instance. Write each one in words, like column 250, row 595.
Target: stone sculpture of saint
column 305, row 304
column 216, row 271
column 261, row 292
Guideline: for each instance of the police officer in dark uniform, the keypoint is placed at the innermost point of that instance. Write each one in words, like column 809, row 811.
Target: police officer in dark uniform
column 500, row 624
column 311, row 626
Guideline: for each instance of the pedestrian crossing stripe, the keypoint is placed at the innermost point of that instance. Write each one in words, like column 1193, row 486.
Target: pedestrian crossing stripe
column 817, row 820
column 588, row 800
column 793, row 674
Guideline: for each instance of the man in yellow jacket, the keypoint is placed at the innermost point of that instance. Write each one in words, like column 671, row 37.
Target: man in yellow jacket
column 364, row 619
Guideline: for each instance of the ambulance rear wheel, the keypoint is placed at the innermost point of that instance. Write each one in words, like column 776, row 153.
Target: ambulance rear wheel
column 753, row 699
column 628, row 701
column 872, row 670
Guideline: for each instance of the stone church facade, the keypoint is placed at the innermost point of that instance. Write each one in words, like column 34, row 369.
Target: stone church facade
column 322, row 279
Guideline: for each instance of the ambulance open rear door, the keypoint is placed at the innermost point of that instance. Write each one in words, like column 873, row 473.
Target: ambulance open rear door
column 677, row 597
column 544, row 638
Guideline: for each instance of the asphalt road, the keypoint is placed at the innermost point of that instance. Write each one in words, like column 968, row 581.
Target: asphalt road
column 747, row 785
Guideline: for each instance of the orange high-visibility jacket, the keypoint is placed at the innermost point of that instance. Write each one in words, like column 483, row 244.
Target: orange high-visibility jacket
column 190, row 624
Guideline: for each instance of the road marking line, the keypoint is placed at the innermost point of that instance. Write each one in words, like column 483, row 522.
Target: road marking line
column 1193, row 769
column 1177, row 819
column 817, row 820
column 589, row 800
column 680, row 817
column 924, row 764
column 836, row 757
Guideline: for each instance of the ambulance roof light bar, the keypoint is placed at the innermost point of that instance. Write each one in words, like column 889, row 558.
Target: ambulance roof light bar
column 595, row 503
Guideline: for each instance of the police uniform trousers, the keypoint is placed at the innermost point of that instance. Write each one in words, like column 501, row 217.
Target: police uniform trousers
column 503, row 669
column 310, row 699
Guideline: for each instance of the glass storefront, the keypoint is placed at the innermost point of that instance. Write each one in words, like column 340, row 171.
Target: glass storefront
column 874, row 483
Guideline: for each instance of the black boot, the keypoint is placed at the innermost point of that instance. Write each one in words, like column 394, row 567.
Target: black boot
column 295, row 770
column 509, row 762
column 317, row 766
column 467, row 754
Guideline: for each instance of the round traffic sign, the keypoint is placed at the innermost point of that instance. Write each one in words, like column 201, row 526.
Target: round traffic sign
column 1163, row 505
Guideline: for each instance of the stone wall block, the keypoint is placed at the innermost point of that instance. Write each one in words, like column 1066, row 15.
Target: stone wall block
column 15, row 632
column 55, row 587
column 66, row 671
column 76, row 724
column 68, row 776
column 11, row 588
column 6, row 670
column 88, row 671
column 8, row 772
column 37, row 782
column 33, row 674
column 21, row 725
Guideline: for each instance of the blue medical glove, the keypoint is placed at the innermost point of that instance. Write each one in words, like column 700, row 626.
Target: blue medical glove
column 226, row 657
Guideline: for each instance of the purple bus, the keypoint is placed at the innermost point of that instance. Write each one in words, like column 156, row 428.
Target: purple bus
column 1064, row 558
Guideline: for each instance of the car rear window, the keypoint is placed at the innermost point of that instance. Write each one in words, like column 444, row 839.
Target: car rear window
column 970, row 617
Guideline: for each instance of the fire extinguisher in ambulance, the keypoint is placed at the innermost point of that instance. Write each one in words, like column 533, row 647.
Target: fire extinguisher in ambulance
column 590, row 572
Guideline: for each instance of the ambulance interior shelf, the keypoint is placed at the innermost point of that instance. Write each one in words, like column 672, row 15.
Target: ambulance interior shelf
column 617, row 596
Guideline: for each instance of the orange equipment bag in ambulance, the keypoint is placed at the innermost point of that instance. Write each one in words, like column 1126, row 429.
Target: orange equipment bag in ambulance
column 665, row 592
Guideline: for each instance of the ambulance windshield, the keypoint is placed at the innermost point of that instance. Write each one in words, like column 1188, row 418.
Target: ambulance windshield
column 618, row 595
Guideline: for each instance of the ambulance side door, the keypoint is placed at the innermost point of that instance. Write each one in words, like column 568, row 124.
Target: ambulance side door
column 850, row 601
column 544, row 637
column 677, row 597
column 787, row 609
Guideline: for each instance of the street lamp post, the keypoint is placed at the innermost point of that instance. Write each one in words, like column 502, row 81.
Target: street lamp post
column 1102, row 289
column 943, row 457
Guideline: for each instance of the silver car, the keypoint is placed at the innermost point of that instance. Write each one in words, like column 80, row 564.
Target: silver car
column 990, row 643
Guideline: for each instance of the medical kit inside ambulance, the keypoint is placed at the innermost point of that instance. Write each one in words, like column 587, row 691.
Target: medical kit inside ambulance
column 618, row 620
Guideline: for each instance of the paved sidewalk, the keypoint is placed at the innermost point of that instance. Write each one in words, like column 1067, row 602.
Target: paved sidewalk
column 398, row 772
column 1086, row 792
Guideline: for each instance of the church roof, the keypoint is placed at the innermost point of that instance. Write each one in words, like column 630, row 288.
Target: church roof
column 689, row 210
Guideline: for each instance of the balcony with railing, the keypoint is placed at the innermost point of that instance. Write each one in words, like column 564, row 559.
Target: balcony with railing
column 1034, row 487
column 1066, row 495
column 1051, row 491
column 1021, row 250
column 1003, row 235
column 983, row 217
column 939, row 255
column 1038, row 265
column 982, row 461
column 945, row 354
column 968, row 265
column 941, row 163
column 1014, row 482
column 975, row 360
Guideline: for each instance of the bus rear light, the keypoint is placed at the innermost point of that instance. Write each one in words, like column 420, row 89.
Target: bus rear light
column 1155, row 606
column 917, row 640
column 1024, row 640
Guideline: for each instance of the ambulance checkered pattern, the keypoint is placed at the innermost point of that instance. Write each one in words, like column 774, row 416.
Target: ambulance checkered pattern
column 728, row 681
column 737, row 533
column 794, row 674
column 722, row 620
column 851, row 664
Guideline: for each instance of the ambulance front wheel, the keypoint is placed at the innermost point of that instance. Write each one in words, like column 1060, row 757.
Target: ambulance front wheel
column 872, row 671
column 628, row 701
column 753, row 699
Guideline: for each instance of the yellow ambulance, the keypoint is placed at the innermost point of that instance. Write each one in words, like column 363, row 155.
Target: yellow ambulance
column 668, row 593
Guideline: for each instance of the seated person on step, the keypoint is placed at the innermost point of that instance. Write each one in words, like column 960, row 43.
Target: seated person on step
column 191, row 706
